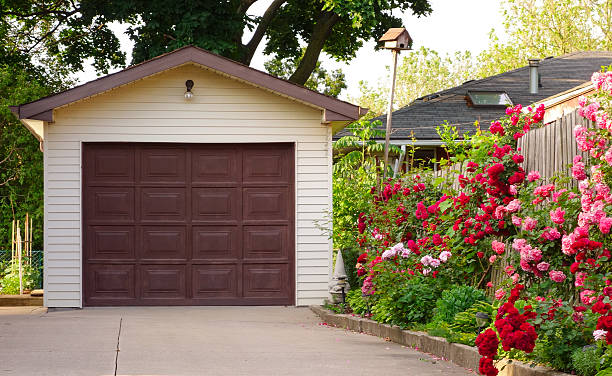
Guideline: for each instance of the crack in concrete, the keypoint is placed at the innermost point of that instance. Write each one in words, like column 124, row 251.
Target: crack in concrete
column 117, row 350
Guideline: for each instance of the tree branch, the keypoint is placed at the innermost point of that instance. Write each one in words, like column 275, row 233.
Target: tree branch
column 322, row 30
column 261, row 30
column 244, row 6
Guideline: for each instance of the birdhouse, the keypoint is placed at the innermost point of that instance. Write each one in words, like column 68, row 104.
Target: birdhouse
column 396, row 38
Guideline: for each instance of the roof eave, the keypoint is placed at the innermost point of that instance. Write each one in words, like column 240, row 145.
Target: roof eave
column 42, row 108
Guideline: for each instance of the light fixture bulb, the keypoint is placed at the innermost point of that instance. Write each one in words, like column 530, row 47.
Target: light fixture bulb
column 189, row 86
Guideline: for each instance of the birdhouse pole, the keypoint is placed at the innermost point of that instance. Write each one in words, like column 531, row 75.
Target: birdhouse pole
column 395, row 39
column 390, row 114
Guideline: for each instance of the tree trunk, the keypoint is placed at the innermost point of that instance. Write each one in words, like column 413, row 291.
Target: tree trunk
column 322, row 30
column 260, row 31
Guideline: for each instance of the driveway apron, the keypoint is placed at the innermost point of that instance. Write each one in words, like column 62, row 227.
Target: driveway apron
column 198, row 341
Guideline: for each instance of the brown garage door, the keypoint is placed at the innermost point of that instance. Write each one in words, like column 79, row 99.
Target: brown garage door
column 188, row 224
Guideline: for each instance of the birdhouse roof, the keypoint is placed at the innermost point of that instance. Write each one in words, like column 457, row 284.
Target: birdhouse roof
column 393, row 34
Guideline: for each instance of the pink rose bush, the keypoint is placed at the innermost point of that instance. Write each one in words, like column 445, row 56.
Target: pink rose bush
column 549, row 237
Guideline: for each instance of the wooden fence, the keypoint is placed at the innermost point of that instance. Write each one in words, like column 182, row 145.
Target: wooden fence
column 551, row 148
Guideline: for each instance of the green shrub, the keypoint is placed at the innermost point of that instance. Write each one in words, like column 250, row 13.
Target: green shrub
column 350, row 256
column 441, row 329
column 455, row 300
column 411, row 304
column 9, row 284
column 356, row 301
column 465, row 322
column 585, row 360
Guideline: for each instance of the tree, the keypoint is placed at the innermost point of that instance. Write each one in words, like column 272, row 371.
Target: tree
column 421, row 72
column 532, row 29
column 541, row 28
column 328, row 83
column 21, row 170
column 72, row 31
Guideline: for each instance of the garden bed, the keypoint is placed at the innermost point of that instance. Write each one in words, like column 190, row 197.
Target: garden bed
column 20, row 300
column 462, row 355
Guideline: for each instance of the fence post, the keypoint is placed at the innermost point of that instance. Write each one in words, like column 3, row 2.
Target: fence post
column 19, row 249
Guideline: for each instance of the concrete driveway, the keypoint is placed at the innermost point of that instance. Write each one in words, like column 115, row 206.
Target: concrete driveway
column 197, row 341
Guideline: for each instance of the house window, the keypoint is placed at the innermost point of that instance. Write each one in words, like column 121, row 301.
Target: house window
column 489, row 98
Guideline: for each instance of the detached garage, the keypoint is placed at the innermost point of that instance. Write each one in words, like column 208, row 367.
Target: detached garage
column 188, row 179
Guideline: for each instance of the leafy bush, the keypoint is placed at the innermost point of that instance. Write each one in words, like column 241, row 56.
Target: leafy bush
column 441, row 329
column 350, row 256
column 9, row 284
column 356, row 301
column 455, row 300
column 585, row 360
column 465, row 322
column 410, row 304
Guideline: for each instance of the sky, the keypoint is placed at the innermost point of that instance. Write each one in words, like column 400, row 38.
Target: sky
column 452, row 26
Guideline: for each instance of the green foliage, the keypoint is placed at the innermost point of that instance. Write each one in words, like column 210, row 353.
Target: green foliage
column 21, row 165
column 71, row 32
column 441, row 329
column 336, row 308
column 541, row 28
column 455, row 300
column 421, row 72
column 357, row 302
column 350, row 256
column 328, row 83
column 355, row 172
column 531, row 29
column 9, row 284
column 585, row 361
column 559, row 338
column 465, row 322
column 411, row 303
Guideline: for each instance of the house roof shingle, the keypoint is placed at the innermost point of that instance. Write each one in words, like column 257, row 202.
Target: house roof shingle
column 420, row 118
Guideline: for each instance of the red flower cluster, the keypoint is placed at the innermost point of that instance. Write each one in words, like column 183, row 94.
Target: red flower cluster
column 497, row 128
column 513, row 327
column 605, row 323
column 487, row 343
column 486, row 367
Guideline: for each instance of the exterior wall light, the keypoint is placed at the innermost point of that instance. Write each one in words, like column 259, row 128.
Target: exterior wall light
column 188, row 92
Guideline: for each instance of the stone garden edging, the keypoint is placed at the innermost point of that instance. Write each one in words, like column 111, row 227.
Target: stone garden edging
column 462, row 355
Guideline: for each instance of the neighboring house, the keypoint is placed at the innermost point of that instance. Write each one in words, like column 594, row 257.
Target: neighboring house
column 485, row 100
column 188, row 179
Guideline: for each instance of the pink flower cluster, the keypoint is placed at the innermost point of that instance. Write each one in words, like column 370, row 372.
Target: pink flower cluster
column 602, row 81
column 531, row 258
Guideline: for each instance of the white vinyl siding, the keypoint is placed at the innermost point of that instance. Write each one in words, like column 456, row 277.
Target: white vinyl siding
column 154, row 110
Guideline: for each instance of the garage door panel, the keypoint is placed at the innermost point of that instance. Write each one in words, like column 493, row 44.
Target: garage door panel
column 163, row 243
column 109, row 165
column 163, row 282
column 265, row 165
column 188, row 224
column 266, row 242
column 162, row 165
column 111, row 282
column 163, row 204
column 266, row 280
column 111, row 242
column 215, row 204
column 214, row 281
column 215, row 166
column 110, row 204
column 266, row 204
column 215, row 242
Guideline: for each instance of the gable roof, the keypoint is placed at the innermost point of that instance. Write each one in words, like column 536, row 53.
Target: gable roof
column 557, row 75
column 335, row 109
